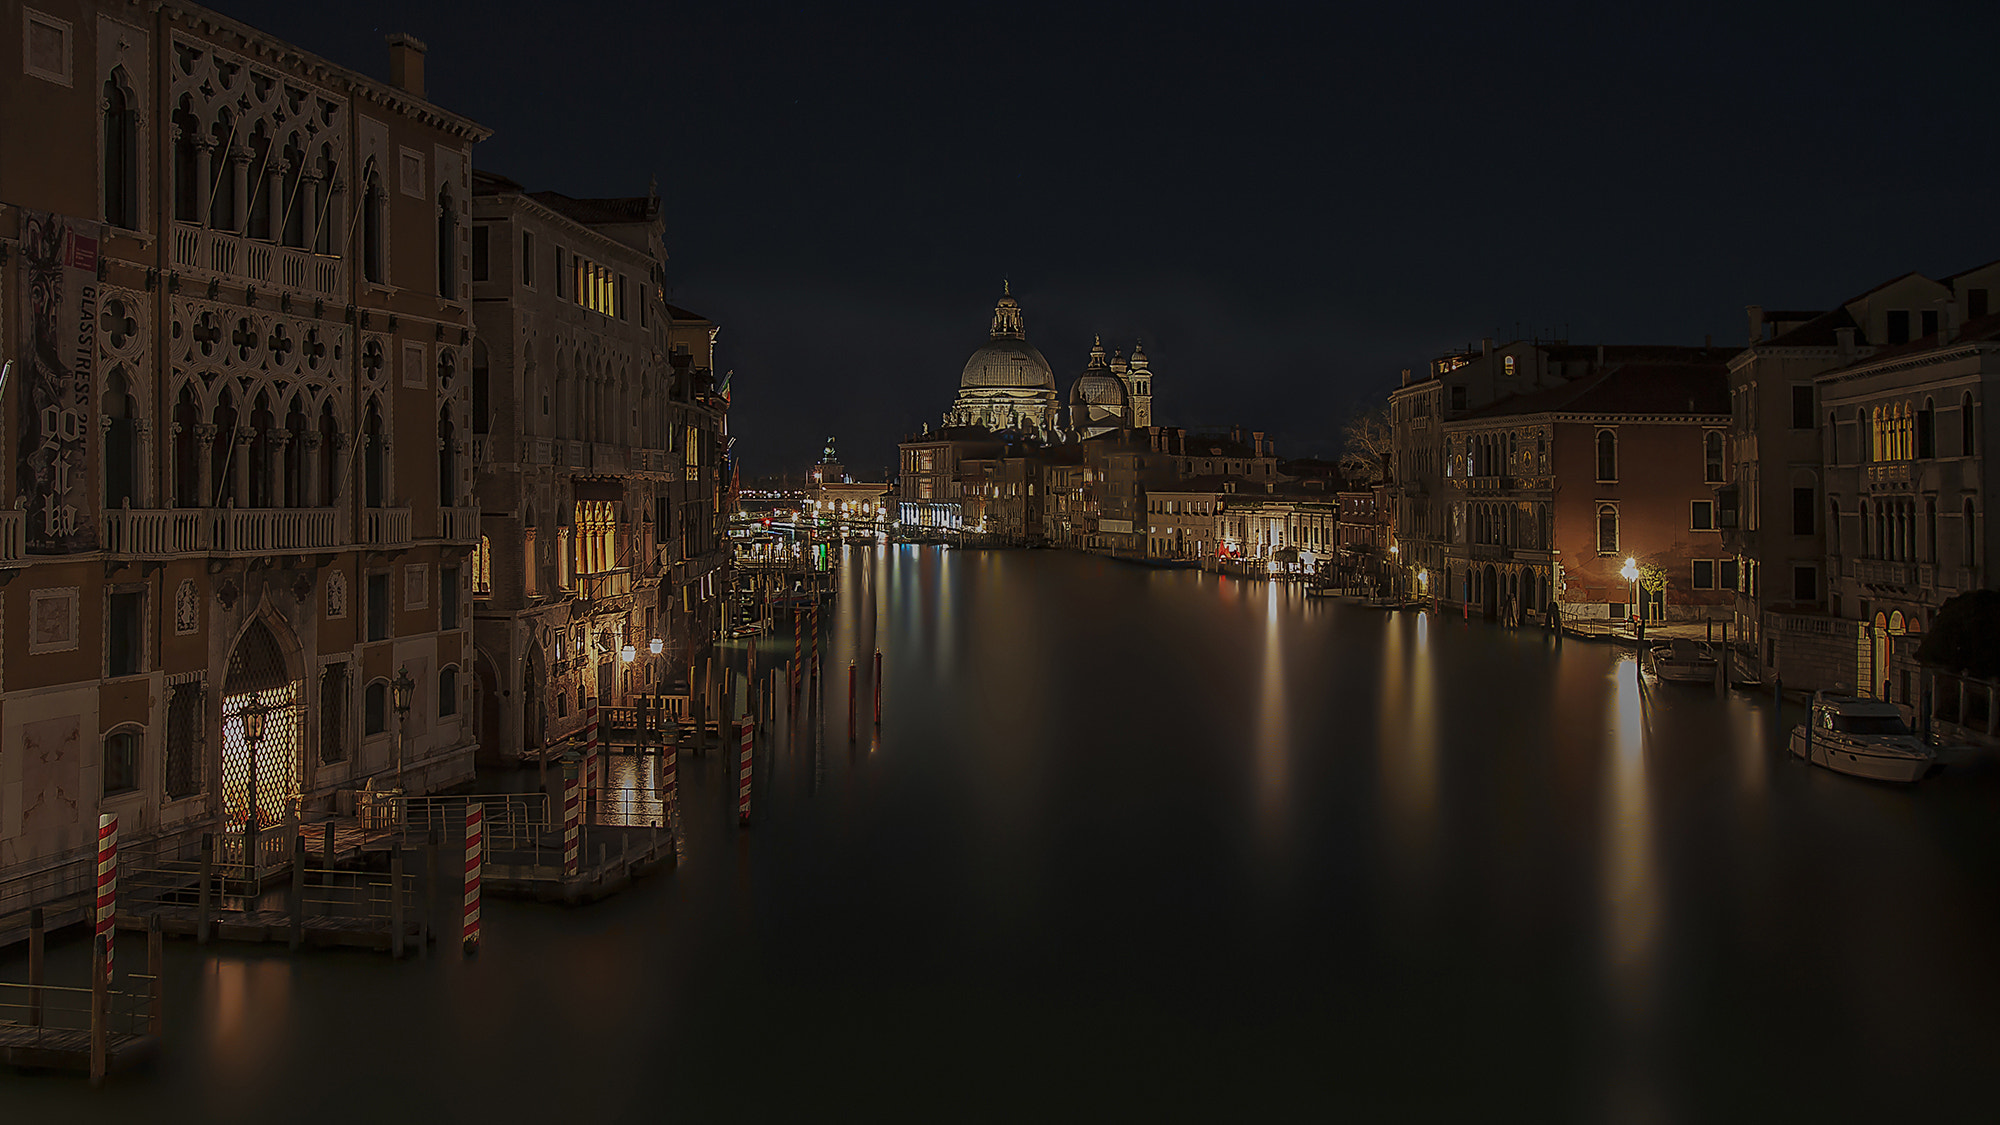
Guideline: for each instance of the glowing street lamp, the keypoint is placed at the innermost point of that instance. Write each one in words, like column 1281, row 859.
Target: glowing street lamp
column 402, row 687
column 1630, row 572
column 657, row 647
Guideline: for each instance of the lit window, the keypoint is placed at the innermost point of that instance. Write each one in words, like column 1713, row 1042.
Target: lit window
column 482, row 568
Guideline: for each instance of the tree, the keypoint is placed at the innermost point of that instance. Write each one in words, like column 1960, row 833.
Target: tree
column 1366, row 443
column 1965, row 638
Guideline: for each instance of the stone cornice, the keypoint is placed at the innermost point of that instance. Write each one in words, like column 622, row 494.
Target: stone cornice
column 1949, row 354
column 276, row 52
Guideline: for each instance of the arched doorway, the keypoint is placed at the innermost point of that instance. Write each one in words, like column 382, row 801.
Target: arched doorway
column 268, row 772
column 1490, row 589
column 534, row 718
column 491, row 740
column 1530, row 603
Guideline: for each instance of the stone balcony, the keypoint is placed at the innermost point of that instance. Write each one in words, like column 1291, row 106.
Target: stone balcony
column 225, row 256
column 610, row 584
column 165, row 533
column 1882, row 572
column 458, row 525
column 386, row 528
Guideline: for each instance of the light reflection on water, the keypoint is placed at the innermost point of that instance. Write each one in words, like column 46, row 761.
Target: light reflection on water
column 1143, row 843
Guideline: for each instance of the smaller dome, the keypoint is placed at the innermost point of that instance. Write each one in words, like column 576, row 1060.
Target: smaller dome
column 1094, row 389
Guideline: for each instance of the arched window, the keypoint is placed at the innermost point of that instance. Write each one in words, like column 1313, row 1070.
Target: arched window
column 373, row 462
column 187, row 199
column 447, row 691
column 1866, row 545
column 375, row 708
column 121, row 456
column 187, row 451
column 1864, row 435
column 325, row 223
column 1927, row 429
column 264, row 186
column 447, row 460
column 1966, row 445
column 482, row 568
column 221, row 454
column 1875, row 450
column 1607, row 455
column 1833, row 524
column 121, row 154
column 292, row 219
column 293, row 457
column 374, row 250
column 447, row 244
column 1607, row 529
column 480, row 375
column 261, row 425
column 1930, row 530
column 223, row 147
column 121, row 761
column 1711, row 457
column 330, row 459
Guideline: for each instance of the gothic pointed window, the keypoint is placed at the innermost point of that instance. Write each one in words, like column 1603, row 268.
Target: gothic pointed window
column 121, row 457
column 373, row 460
column 447, row 245
column 121, row 154
column 373, row 249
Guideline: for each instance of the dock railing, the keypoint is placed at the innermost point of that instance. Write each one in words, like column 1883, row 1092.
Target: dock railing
column 512, row 819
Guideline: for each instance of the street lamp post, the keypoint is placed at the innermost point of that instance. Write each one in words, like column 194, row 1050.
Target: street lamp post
column 1630, row 572
column 402, row 685
column 253, row 718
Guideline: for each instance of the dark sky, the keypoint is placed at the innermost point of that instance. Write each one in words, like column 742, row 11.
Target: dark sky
column 1287, row 203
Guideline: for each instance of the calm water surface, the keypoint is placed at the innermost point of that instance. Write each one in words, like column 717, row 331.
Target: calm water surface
column 1135, row 843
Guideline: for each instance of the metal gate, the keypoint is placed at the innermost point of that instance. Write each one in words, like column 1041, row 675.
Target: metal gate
column 257, row 674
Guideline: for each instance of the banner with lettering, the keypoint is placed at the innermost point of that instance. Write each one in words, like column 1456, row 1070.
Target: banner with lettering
column 57, row 378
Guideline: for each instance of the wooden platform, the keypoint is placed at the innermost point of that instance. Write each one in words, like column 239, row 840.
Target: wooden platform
column 52, row 1048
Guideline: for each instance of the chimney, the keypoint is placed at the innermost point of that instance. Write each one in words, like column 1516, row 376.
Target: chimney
column 1406, row 376
column 1949, row 331
column 1257, row 439
column 1486, row 345
column 1845, row 339
column 1600, row 356
column 1756, row 323
column 406, row 63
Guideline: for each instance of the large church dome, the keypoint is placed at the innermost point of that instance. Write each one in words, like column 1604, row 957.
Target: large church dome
column 1005, row 362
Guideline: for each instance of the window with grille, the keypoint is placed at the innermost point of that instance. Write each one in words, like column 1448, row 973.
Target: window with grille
column 482, row 568
column 333, row 713
column 184, row 727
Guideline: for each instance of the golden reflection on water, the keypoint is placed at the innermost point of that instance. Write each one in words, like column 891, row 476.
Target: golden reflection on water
column 1273, row 728
column 1630, row 892
column 250, row 1000
column 1408, row 744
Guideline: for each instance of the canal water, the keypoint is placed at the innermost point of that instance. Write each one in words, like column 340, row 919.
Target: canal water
column 1136, row 843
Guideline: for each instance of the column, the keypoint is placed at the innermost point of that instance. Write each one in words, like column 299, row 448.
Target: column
column 309, row 488
column 274, row 184
column 204, row 149
column 142, row 460
column 309, row 206
column 239, row 464
column 279, row 438
column 240, row 156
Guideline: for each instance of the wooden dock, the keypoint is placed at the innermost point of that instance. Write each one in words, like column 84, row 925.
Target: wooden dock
column 95, row 1029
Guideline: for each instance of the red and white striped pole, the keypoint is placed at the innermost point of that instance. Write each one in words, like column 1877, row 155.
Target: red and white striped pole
column 572, row 819
column 107, row 885
column 743, row 793
column 670, row 782
column 475, row 862
column 878, row 687
column 798, row 652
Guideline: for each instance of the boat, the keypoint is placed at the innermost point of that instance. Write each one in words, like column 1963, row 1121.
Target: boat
column 1682, row 661
column 1863, row 737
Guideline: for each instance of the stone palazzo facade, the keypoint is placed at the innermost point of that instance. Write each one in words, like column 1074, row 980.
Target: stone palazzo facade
column 234, row 294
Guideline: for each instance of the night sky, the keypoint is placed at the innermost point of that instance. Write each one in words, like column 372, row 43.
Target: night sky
column 1288, row 203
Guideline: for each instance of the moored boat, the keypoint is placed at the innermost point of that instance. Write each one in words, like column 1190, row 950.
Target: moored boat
column 1862, row 737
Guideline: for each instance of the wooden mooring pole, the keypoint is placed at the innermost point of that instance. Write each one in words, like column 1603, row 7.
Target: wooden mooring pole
column 298, row 903
column 396, row 901
column 156, row 967
column 100, row 1002
column 204, row 897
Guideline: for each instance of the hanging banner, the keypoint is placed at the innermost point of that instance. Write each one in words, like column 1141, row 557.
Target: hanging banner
column 56, row 381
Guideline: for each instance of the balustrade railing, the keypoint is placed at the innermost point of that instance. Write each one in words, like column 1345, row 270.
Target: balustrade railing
column 610, row 584
column 273, row 529
column 386, row 527
column 230, row 256
column 156, row 531
column 458, row 525
column 1881, row 572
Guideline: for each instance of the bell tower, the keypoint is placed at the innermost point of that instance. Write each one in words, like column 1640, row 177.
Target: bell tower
column 1139, row 387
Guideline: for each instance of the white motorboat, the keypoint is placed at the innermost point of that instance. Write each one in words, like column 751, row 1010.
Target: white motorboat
column 1682, row 661
column 1863, row 737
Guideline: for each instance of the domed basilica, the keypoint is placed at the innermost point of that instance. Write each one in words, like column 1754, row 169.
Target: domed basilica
column 1008, row 385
